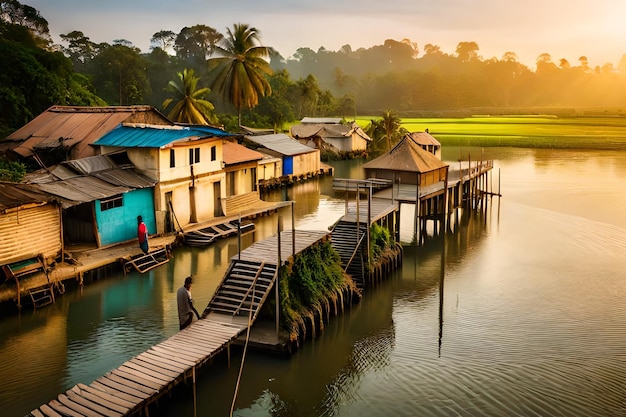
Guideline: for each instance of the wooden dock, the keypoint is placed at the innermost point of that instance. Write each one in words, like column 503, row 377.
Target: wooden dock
column 141, row 381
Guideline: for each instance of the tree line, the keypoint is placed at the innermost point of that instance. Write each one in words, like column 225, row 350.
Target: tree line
column 202, row 66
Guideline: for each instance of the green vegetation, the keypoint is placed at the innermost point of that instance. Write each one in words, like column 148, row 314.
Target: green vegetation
column 380, row 241
column 536, row 131
column 11, row 171
column 312, row 280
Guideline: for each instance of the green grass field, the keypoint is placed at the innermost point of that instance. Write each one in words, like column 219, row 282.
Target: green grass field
column 522, row 131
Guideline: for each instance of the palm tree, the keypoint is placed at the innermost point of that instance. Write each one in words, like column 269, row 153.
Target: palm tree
column 189, row 103
column 240, row 68
column 389, row 129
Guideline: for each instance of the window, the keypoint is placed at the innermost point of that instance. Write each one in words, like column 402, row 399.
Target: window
column 213, row 153
column 194, row 156
column 172, row 158
column 111, row 202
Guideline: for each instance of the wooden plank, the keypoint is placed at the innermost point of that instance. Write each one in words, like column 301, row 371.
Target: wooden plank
column 202, row 331
column 173, row 355
column 153, row 356
column 106, row 396
column 138, row 378
column 156, row 367
column 188, row 351
column 126, row 386
column 76, row 409
column 90, row 405
column 48, row 411
column 119, row 410
column 196, row 352
column 63, row 410
column 166, row 358
column 117, row 390
column 209, row 343
column 204, row 341
column 152, row 370
column 160, row 365
column 37, row 413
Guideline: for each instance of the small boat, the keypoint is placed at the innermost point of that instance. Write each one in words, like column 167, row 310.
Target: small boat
column 207, row 235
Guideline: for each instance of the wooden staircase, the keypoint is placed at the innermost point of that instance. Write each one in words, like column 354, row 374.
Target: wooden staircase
column 344, row 241
column 244, row 288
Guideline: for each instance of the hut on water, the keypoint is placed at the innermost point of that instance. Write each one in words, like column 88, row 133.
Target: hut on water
column 408, row 163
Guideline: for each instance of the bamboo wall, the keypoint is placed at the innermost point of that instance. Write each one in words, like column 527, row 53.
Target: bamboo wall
column 26, row 232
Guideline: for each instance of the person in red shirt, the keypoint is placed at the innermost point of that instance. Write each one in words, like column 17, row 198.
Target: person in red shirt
column 142, row 234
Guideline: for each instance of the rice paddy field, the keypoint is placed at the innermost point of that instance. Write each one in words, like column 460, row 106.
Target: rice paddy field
column 537, row 131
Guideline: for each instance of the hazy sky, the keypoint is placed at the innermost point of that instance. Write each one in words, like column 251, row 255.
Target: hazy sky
column 563, row 28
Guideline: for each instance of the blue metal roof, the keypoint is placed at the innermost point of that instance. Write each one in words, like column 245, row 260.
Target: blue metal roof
column 156, row 137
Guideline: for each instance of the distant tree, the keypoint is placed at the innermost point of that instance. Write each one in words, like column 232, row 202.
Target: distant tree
column 196, row 44
column 189, row 104
column 163, row 39
column 277, row 108
column 308, row 95
column 346, row 106
column 240, row 68
column 80, row 49
column 467, row 51
column 564, row 64
column 15, row 14
column 120, row 75
column 430, row 49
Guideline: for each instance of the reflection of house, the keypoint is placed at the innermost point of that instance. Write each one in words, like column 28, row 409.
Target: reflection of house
column 30, row 224
column 330, row 133
column 298, row 160
column 406, row 163
column 185, row 161
column 63, row 133
column 426, row 142
column 101, row 199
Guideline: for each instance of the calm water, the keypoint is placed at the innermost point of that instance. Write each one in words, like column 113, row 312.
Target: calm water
column 521, row 312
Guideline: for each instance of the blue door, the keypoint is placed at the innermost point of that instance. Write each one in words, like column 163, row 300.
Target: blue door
column 288, row 165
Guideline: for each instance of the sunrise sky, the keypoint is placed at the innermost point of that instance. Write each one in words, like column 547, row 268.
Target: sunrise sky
column 564, row 29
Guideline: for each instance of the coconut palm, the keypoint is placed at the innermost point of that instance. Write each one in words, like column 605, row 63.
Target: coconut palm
column 240, row 68
column 388, row 129
column 189, row 104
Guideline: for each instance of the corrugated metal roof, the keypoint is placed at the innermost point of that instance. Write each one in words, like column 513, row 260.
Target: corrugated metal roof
column 15, row 195
column 82, row 181
column 233, row 153
column 406, row 156
column 74, row 127
column 147, row 136
column 82, row 190
column 281, row 143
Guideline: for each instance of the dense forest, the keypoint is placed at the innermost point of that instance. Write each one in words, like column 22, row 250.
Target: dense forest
column 397, row 75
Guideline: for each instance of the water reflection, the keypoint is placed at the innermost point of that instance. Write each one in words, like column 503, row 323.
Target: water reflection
column 528, row 319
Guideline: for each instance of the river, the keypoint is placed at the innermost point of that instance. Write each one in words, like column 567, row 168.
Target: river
column 520, row 312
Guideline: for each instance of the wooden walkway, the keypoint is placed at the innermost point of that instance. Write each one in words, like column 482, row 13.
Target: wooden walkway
column 135, row 385
column 141, row 381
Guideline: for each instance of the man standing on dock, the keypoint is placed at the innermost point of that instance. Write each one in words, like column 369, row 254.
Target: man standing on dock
column 142, row 234
column 185, row 304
